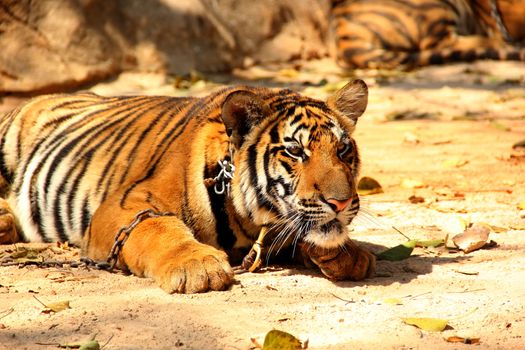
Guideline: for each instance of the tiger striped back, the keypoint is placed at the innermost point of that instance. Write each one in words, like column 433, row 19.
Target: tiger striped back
column 410, row 33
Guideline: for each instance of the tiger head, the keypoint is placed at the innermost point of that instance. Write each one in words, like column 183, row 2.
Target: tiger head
column 296, row 162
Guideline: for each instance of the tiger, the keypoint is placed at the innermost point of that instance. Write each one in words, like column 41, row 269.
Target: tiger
column 82, row 168
column 405, row 34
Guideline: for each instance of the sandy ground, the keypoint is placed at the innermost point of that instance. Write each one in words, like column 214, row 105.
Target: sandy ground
column 463, row 121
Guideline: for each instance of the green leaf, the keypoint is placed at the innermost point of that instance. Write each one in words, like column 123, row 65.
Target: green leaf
column 399, row 252
column 431, row 243
column 90, row 345
column 427, row 323
column 368, row 185
column 279, row 340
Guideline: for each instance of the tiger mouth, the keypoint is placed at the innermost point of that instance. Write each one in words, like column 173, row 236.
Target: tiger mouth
column 332, row 225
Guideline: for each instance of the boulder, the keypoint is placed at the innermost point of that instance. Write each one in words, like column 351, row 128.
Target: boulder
column 54, row 45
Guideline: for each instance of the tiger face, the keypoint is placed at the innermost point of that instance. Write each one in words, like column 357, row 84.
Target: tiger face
column 296, row 172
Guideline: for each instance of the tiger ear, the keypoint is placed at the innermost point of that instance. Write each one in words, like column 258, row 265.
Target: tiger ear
column 241, row 111
column 351, row 100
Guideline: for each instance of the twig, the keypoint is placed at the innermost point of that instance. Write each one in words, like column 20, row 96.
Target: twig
column 345, row 300
column 7, row 312
column 401, row 233
column 470, row 291
column 410, row 296
column 34, row 296
column 107, row 342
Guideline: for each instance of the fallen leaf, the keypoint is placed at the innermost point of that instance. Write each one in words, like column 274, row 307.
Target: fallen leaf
column 495, row 229
column 468, row 273
column 456, row 339
column 521, row 205
column 427, row 323
column 411, row 183
column 289, row 73
column 368, row 186
column 399, row 252
column 408, row 115
column 90, row 345
column 416, row 199
column 457, row 225
column 279, row 340
column 473, row 238
column 454, row 163
column 411, row 138
column 392, row 301
column 56, row 307
column 430, row 243
column 520, row 144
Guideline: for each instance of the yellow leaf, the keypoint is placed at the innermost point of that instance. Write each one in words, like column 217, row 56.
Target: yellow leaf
column 57, row 307
column 521, row 205
column 90, row 345
column 454, row 163
column 289, row 73
column 392, row 301
column 411, row 183
column 279, row 340
column 427, row 323
column 457, row 225
column 368, row 185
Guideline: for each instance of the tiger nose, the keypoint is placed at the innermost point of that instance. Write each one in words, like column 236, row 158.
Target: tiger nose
column 338, row 205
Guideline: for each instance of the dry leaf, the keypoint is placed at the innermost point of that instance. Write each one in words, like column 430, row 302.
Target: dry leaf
column 520, row 144
column 457, row 225
column 411, row 183
column 521, row 205
column 416, row 199
column 279, row 340
column 392, row 301
column 56, row 307
column 495, row 229
column 427, row 323
column 399, row 252
column 454, row 163
column 473, row 238
column 90, row 345
column 411, row 138
column 289, row 73
column 368, row 185
column 456, row 339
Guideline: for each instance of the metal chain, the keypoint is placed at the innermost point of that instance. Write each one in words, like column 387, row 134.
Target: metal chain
column 125, row 231
column 112, row 259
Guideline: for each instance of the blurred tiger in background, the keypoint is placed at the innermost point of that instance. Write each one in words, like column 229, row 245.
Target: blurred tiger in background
column 409, row 33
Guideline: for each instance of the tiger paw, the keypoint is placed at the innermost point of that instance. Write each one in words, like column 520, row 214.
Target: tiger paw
column 348, row 263
column 8, row 232
column 195, row 271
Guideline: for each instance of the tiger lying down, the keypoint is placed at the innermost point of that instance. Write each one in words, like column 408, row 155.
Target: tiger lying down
column 185, row 184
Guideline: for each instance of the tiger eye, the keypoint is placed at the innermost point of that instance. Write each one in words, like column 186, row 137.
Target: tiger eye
column 295, row 150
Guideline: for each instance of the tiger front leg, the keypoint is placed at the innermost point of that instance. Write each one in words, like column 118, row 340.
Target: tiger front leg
column 341, row 263
column 163, row 248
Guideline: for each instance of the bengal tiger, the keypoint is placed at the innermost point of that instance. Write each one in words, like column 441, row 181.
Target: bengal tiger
column 391, row 34
column 81, row 167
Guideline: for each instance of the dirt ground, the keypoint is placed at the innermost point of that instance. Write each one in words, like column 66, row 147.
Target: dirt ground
column 449, row 129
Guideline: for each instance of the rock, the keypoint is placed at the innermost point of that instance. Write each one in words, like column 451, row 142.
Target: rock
column 57, row 45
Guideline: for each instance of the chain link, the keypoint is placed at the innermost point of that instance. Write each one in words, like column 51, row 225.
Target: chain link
column 125, row 231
